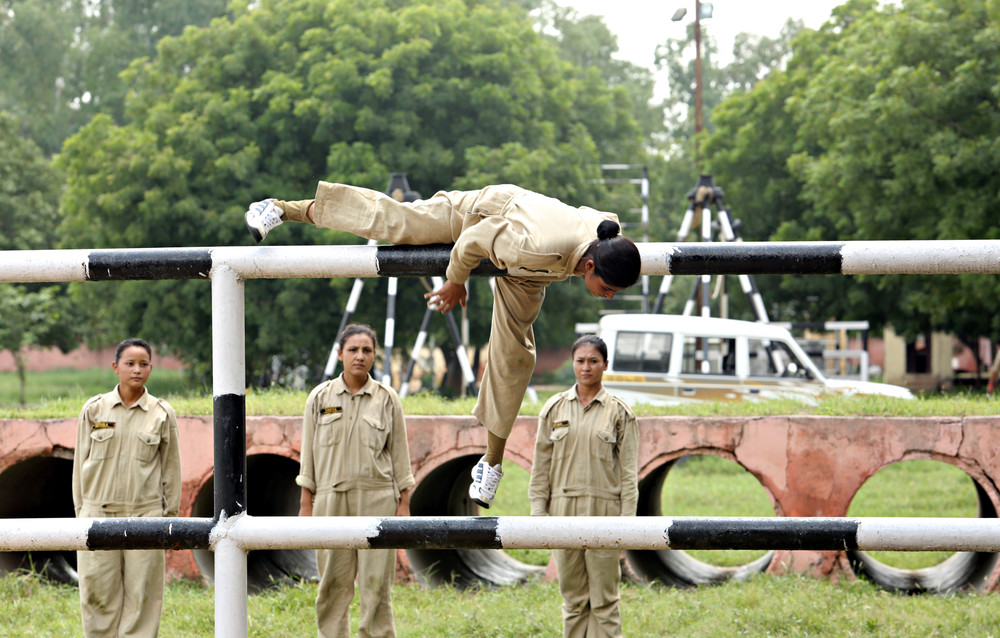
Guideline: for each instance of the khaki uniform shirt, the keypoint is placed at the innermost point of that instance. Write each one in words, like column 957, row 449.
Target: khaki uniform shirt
column 528, row 234
column 589, row 454
column 354, row 441
column 127, row 460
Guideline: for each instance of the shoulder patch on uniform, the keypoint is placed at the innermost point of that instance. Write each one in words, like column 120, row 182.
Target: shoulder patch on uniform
column 334, row 409
column 103, row 425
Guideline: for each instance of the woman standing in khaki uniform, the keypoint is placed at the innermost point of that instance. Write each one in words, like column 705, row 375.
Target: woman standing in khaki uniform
column 355, row 462
column 586, row 457
column 537, row 239
column 126, row 463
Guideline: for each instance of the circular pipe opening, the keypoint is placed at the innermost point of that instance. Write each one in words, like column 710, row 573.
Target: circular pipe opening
column 445, row 492
column 271, row 491
column 39, row 488
column 677, row 567
column 947, row 494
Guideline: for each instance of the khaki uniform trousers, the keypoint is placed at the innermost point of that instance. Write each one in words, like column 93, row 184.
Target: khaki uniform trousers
column 588, row 581
column 517, row 301
column 375, row 570
column 121, row 592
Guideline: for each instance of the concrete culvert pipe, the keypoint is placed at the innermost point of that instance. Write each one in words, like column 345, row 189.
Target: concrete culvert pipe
column 960, row 572
column 40, row 487
column 675, row 567
column 445, row 492
column 271, row 491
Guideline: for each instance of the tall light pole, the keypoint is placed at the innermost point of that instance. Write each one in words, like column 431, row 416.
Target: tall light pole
column 701, row 9
column 697, row 72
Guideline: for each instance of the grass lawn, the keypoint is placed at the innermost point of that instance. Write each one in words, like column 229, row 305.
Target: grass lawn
column 790, row 605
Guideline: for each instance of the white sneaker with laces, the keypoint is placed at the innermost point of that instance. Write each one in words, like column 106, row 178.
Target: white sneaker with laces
column 485, row 480
column 261, row 217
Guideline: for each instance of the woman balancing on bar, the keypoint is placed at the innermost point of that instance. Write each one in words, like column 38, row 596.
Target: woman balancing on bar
column 537, row 239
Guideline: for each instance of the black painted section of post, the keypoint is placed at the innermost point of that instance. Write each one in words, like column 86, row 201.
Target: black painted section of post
column 230, row 454
column 777, row 534
column 430, row 260
column 741, row 259
column 149, row 263
column 150, row 533
column 462, row 533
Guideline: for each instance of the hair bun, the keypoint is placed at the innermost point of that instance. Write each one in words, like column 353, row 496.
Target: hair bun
column 608, row 229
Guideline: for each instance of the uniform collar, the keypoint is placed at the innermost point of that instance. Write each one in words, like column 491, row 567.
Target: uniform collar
column 145, row 401
column 340, row 387
column 601, row 396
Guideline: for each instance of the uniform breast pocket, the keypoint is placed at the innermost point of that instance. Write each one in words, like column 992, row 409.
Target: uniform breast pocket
column 100, row 443
column 604, row 444
column 558, row 434
column 376, row 433
column 531, row 263
column 329, row 428
column 146, row 446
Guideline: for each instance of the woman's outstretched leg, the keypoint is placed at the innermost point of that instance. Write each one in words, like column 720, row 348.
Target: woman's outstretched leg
column 366, row 213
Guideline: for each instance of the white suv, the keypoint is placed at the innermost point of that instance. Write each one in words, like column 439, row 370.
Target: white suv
column 671, row 359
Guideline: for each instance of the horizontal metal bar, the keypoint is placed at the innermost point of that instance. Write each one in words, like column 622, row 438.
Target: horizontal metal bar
column 65, row 534
column 658, row 258
column 647, row 532
column 507, row 532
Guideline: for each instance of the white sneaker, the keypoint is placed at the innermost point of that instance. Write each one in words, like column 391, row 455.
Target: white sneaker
column 485, row 480
column 261, row 217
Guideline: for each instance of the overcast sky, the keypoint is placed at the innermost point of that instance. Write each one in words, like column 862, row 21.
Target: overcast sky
column 641, row 25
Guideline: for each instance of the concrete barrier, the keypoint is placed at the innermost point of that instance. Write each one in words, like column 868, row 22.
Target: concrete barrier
column 809, row 466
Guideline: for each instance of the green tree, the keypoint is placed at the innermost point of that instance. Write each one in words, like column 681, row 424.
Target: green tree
column 884, row 127
column 265, row 103
column 32, row 315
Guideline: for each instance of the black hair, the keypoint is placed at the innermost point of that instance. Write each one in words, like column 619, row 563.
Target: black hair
column 615, row 256
column 591, row 340
column 356, row 329
column 128, row 343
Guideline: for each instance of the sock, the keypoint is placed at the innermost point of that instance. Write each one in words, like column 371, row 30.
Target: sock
column 295, row 211
column 494, row 449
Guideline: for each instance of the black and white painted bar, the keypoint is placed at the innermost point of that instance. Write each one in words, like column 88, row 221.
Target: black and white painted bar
column 231, row 533
column 248, row 533
column 969, row 256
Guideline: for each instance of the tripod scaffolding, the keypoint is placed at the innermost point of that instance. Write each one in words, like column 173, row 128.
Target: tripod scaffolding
column 702, row 197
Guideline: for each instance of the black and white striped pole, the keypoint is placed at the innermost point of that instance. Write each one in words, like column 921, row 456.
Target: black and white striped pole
column 229, row 412
column 250, row 533
column 389, row 338
column 352, row 305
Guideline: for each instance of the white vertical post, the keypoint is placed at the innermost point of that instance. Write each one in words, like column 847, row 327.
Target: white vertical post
column 229, row 396
column 230, row 590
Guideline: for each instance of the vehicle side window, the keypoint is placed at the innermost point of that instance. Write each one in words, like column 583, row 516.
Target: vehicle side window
column 709, row 355
column 761, row 362
column 774, row 359
column 643, row 352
